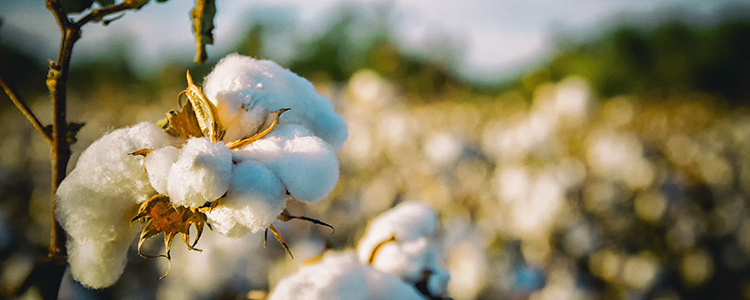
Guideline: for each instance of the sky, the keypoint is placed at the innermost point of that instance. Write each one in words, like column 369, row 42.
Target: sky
column 497, row 37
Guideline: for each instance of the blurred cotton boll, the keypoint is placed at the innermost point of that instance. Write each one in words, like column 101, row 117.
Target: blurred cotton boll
column 339, row 276
column 443, row 149
column 401, row 242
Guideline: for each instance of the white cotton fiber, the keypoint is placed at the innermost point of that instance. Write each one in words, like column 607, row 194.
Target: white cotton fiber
column 98, row 198
column 306, row 164
column 97, row 264
column 158, row 163
column 339, row 276
column 201, row 174
column 244, row 90
column 254, row 199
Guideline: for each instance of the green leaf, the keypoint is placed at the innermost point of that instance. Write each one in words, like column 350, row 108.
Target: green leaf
column 76, row 6
column 140, row 3
column 203, row 25
column 104, row 3
column 70, row 136
column 73, row 129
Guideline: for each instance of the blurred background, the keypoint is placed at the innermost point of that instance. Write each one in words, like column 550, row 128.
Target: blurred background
column 572, row 149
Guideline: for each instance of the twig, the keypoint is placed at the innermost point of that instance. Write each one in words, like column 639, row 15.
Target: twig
column 25, row 110
column 97, row 14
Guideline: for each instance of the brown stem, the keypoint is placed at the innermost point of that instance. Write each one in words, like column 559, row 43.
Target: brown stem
column 57, row 79
column 25, row 110
column 97, row 14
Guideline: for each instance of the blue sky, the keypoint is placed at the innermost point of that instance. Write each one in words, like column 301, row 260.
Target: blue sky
column 498, row 37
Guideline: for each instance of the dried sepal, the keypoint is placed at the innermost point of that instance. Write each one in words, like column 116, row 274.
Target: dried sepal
column 184, row 124
column 284, row 216
column 247, row 141
column 205, row 112
column 158, row 215
column 278, row 237
column 143, row 153
column 377, row 247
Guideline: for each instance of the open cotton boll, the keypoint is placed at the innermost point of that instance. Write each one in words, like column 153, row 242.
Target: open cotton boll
column 97, row 199
column 201, row 174
column 254, row 198
column 158, row 163
column 406, row 222
column 306, row 165
column 338, row 276
column 244, row 90
column 406, row 260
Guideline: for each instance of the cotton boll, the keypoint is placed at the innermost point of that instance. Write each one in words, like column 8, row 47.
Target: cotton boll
column 158, row 163
column 406, row 222
column 411, row 261
column 244, row 90
column 98, row 198
column 254, row 198
column 340, row 276
column 201, row 174
column 412, row 255
column 407, row 260
column 306, row 165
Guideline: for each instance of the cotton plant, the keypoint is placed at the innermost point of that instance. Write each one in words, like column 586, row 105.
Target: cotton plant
column 396, row 259
column 255, row 136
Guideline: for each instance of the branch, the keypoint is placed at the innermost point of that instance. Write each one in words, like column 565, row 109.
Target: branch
column 98, row 14
column 25, row 110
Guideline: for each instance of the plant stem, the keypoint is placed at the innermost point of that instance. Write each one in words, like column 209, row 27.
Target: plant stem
column 57, row 79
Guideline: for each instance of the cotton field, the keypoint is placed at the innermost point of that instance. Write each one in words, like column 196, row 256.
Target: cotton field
column 548, row 194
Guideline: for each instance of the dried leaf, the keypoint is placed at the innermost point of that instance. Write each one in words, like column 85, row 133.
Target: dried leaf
column 184, row 124
column 158, row 215
column 205, row 111
column 203, row 26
